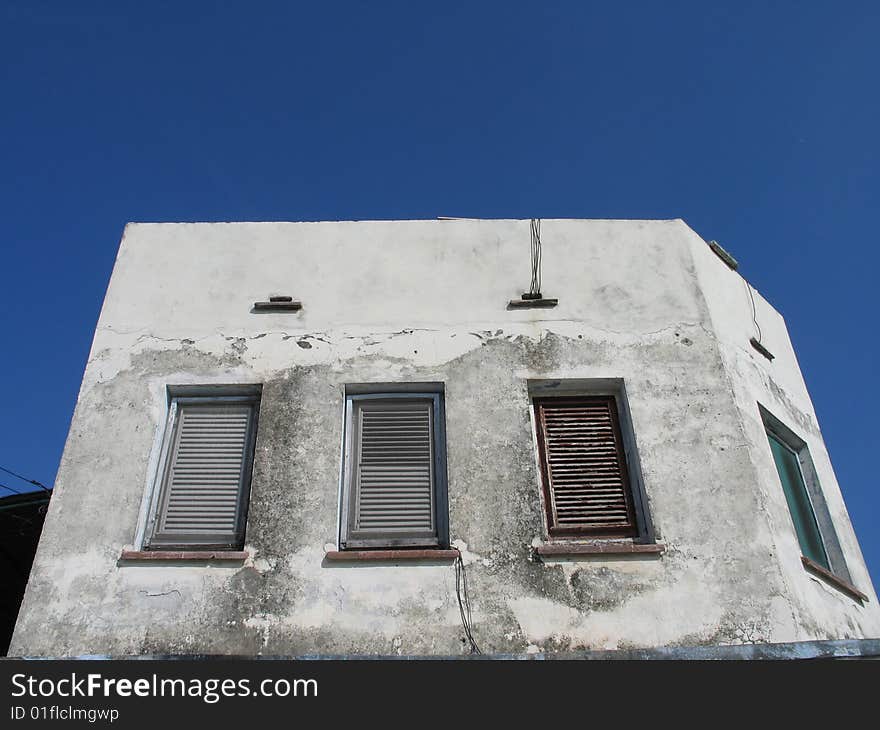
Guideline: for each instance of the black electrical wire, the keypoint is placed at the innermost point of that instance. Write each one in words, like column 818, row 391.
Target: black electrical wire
column 464, row 606
column 14, row 491
column 29, row 481
column 754, row 311
column 535, row 286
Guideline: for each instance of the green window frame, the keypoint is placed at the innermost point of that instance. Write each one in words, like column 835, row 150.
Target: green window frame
column 799, row 505
column 804, row 498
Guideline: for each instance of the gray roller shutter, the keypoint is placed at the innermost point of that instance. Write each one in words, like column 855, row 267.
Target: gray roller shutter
column 393, row 498
column 204, row 492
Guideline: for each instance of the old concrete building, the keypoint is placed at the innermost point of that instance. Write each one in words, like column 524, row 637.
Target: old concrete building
column 287, row 432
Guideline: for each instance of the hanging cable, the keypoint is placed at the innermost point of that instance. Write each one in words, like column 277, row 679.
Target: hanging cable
column 754, row 311
column 464, row 605
column 535, row 286
column 29, row 481
column 14, row 491
column 533, row 299
column 756, row 341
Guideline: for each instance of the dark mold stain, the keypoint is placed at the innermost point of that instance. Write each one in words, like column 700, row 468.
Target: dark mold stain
column 602, row 589
column 494, row 499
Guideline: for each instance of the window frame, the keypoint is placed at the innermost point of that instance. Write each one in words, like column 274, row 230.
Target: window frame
column 614, row 391
column 199, row 396
column 775, row 428
column 356, row 395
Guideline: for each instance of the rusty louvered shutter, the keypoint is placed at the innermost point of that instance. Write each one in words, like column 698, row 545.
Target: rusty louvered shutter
column 205, row 488
column 393, row 496
column 586, row 485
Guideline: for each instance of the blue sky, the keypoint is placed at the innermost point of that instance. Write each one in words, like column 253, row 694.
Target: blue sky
column 755, row 122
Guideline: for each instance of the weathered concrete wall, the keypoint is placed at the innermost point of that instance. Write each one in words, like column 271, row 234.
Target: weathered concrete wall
column 425, row 301
column 779, row 387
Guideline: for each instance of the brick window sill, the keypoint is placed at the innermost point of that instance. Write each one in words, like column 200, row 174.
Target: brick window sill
column 829, row 577
column 391, row 556
column 182, row 556
column 575, row 549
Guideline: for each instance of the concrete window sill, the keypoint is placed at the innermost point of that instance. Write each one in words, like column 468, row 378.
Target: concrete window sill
column 182, row 556
column 575, row 549
column 392, row 556
column 829, row 577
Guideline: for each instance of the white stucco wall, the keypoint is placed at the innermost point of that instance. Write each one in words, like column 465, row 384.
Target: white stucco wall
column 642, row 301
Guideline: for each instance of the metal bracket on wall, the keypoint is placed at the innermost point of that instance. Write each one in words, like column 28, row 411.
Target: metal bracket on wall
column 760, row 348
column 278, row 304
column 532, row 302
column 724, row 255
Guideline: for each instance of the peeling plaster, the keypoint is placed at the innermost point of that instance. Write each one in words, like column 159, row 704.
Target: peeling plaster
column 638, row 301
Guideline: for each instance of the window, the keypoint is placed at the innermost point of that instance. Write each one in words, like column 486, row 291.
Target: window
column 805, row 525
column 591, row 482
column 394, row 470
column 204, row 479
column 803, row 495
